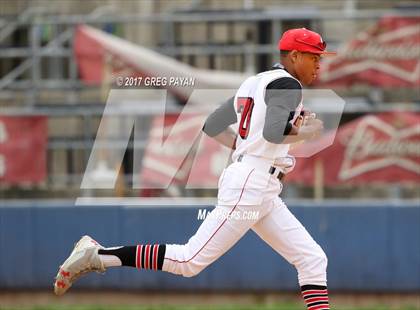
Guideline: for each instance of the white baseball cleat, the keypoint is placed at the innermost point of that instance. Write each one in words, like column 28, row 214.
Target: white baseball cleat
column 83, row 259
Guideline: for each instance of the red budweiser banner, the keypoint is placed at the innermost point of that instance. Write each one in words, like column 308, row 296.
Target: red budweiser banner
column 383, row 148
column 23, row 142
column 386, row 55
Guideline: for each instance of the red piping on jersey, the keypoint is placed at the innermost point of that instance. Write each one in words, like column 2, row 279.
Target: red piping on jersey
column 240, row 196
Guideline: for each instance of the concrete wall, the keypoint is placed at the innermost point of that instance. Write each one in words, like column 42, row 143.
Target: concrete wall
column 370, row 248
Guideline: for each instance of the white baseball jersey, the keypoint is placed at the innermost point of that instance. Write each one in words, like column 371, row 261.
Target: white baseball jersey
column 250, row 107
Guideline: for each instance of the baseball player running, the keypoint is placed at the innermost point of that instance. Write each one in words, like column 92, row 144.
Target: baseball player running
column 268, row 115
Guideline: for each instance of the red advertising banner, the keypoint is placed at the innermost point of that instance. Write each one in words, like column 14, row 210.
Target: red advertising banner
column 382, row 148
column 186, row 157
column 23, row 143
column 385, row 55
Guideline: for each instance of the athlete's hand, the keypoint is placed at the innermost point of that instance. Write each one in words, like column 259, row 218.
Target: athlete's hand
column 307, row 113
column 312, row 127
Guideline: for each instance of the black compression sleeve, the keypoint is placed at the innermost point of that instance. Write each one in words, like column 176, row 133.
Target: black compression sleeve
column 220, row 119
column 282, row 97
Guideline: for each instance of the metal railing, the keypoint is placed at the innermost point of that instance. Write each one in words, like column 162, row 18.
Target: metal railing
column 26, row 77
column 33, row 19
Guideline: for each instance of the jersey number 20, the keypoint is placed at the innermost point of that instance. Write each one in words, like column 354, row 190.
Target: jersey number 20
column 244, row 105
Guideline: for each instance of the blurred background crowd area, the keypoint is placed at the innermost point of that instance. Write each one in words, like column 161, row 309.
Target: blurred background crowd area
column 56, row 75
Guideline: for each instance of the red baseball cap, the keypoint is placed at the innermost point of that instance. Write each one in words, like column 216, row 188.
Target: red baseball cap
column 303, row 40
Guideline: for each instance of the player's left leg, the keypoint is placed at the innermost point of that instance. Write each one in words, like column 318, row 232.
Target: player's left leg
column 287, row 236
column 217, row 234
column 221, row 229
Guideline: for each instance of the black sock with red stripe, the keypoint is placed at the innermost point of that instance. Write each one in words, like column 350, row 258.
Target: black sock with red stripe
column 149, row 256
column 316, row 297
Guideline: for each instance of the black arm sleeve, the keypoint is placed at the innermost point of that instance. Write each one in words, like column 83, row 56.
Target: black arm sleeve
column 282, row 98
column 220, row 119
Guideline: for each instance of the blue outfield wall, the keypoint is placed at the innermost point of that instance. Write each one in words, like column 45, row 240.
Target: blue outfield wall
column 370, row 248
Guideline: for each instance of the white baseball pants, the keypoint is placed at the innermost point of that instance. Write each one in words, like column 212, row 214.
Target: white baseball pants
column 246, row 189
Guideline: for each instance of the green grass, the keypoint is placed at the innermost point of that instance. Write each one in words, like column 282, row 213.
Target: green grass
column 189, row 307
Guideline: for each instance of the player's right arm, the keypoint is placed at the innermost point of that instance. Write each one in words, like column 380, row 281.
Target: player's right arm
column 217, row 124
column 310, row 129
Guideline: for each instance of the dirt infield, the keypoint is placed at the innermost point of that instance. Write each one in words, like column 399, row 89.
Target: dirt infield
column 110, row 298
